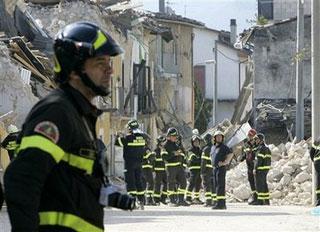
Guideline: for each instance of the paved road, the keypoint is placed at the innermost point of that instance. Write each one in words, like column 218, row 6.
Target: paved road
column 238, row 217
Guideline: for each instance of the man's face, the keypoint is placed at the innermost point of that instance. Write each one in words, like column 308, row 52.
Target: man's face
column 173, row 138
column 250, row 137
column 99, row 69
column 196, row 143
column 218, row 138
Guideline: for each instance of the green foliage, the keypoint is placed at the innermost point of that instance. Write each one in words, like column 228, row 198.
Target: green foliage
column 202, row 110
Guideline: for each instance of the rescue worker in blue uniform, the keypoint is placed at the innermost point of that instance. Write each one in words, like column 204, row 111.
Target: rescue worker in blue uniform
column 194, row 165
column 133, row 150
column 221, row 156
column 160, row 187
column 315, row 157
column 10, row 142
column 261, row 169
column 54, row 183
column 207, row 172
column 174, row 158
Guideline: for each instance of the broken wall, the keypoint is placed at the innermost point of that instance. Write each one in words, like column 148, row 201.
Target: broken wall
column 15, row 95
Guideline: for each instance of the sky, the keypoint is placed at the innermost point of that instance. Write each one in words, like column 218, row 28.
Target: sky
column 215, row 14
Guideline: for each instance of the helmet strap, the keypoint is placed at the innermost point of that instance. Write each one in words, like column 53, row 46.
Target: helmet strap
column 90, row 84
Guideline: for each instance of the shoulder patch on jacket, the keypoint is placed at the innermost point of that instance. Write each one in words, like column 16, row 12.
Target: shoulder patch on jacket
column 48, row 129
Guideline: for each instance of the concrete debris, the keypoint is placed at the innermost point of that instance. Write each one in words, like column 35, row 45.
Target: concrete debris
column 15, row 94
column 289, row 179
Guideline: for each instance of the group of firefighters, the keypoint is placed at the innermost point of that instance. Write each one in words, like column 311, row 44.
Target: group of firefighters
column 57, row 180
column 171, row 175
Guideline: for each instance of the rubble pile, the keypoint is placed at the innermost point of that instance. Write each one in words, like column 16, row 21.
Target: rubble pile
column 15, row 94
column 53, row 18
column 289, row 179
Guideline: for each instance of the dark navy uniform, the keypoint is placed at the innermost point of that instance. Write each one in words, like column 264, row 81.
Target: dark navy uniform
column 160, row 187
column 147, row 173
column 54, row 183
column 174, row 159
column 249, row 154
column 207, row 175
column 133, row 150
column 315, row 157
column 219, row 154
column 194, row 161
column 10, row 143
column 262, row 167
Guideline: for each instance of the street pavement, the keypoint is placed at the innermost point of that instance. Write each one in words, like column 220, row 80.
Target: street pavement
column 238, row 217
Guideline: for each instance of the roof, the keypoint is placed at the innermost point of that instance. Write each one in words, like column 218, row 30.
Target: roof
column 178, row 19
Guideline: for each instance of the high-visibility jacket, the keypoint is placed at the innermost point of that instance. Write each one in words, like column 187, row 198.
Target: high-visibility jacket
column 263, row 162
column 206, row 165
column 315, row 153
column 133, row 146
column 148, row 160
column 159, row 164
column 54, row 183
column 194, row 158
column 10, row 143
column 170, row 156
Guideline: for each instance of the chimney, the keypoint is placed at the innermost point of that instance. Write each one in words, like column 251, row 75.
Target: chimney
column 233, row 31
column 162, row 7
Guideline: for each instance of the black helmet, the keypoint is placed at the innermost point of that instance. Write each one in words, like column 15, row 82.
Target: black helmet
column 160, row 139
column 77, row 42
column 172, row 132
column 208, row 138
column 133, row 124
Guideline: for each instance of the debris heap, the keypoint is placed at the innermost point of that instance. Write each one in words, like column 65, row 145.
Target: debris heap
column 289, row 179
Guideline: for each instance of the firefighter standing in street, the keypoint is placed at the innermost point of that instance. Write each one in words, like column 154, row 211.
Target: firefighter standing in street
column 207, row 172
column 315, row 157
column 160, row 187
column 147, row 174
column 262, row 167
column 10, row 142
column 249, row 154
column 194, row 165
column 54, row 182
column 174, row 158
column 133, row 150
column 221, row 156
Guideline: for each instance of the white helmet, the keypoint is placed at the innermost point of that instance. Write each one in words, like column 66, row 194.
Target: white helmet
column 12, row 129
column 218, row 133
column 195, row 132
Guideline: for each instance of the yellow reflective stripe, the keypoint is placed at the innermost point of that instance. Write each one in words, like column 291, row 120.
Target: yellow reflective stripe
column 317, row 158
column 79, row 162
column 267, row 156
column 205, row 158
column 159, row 160
column 316, row 147
column 260, row 155
column 164, row 153
column 209, row 166
column 221, row 197
column 148, row 155
column 156, row 195
column 181, row 191
column 44, row 144
column 136, row 144
column 159, row 169
column 132, row 192
column 101, row 39
column 184, row 165
column 172, row 164
column 194, row 167
column 57, row 67
column 140, row 193
column 191, row 155
column 67, row 220
column 120, row 142
column 318, row 191
column 264, row 168
column 147, row 166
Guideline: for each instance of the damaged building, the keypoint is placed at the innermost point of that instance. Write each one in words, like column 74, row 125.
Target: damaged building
column 274, row 96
